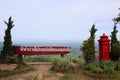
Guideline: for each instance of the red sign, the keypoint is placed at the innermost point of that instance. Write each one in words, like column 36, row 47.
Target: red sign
column 43, row 50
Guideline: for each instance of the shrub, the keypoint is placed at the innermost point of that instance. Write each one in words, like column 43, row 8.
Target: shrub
column 94, row 67
column 101, row 67
column 108, row 67
column 61, row 64
column 117, row 67
column 66, row 64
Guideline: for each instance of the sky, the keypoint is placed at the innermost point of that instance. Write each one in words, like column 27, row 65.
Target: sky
column 62, row 20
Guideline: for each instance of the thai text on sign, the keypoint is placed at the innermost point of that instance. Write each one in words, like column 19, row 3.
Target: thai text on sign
column 41, row 50
column 44, row 49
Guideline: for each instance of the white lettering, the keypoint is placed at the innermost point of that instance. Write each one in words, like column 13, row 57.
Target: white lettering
column 43, row 49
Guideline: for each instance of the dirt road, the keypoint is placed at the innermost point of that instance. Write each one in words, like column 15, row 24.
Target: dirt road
column 42, row 70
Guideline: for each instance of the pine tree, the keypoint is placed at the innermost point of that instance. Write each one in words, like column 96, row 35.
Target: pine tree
column 117, row 19
column 88, row 47
column 92, row 43
column 115, row 45
column 92, row 31
column 114, row 34
column 7, row 45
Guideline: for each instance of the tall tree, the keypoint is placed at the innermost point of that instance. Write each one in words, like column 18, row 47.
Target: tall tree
column 88, row 47
column 92, row 31
column 7, row 45
column 117, row 19
column 115, row 45
column 114, row 34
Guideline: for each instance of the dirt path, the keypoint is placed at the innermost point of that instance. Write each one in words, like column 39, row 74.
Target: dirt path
column 42, row 70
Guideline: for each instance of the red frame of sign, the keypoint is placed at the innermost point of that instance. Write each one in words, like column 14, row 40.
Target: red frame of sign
column 42, row 50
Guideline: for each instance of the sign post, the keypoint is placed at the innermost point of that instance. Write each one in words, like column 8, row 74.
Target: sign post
column 20, row 58
column 42, row 50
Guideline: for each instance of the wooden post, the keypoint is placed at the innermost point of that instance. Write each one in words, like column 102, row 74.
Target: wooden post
column 62, row 55
column 20, row 58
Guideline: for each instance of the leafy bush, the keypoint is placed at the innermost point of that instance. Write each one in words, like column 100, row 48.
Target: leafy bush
column 117, row 67
column 101, row 67
column 94, row 67
column 66, row 64
column 61, row 64
column 108, row 67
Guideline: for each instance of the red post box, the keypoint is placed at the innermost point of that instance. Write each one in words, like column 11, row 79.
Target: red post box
column 104, row 48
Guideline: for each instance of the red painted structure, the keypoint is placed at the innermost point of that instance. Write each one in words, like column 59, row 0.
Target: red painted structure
column 104, row 48
column 43, row 50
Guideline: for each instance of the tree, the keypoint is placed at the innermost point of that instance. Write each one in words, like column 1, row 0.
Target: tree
column 7, row 45
column 88, row 47
column 115, row 45
column 114, row 34
column 92, row 31
column 117, row 19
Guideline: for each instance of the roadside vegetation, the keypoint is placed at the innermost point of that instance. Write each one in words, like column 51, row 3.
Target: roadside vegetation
column 98, row 70
column 74, row 67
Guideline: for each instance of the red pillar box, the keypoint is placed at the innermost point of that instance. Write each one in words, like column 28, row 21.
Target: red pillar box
column 104, row 48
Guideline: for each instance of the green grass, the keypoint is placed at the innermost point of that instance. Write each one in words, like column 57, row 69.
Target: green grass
column 103, row 76
column 67, row 77
column 37, row 58
column 36, row 77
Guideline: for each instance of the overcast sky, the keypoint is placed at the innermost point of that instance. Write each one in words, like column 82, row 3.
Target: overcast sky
column 38, row 20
